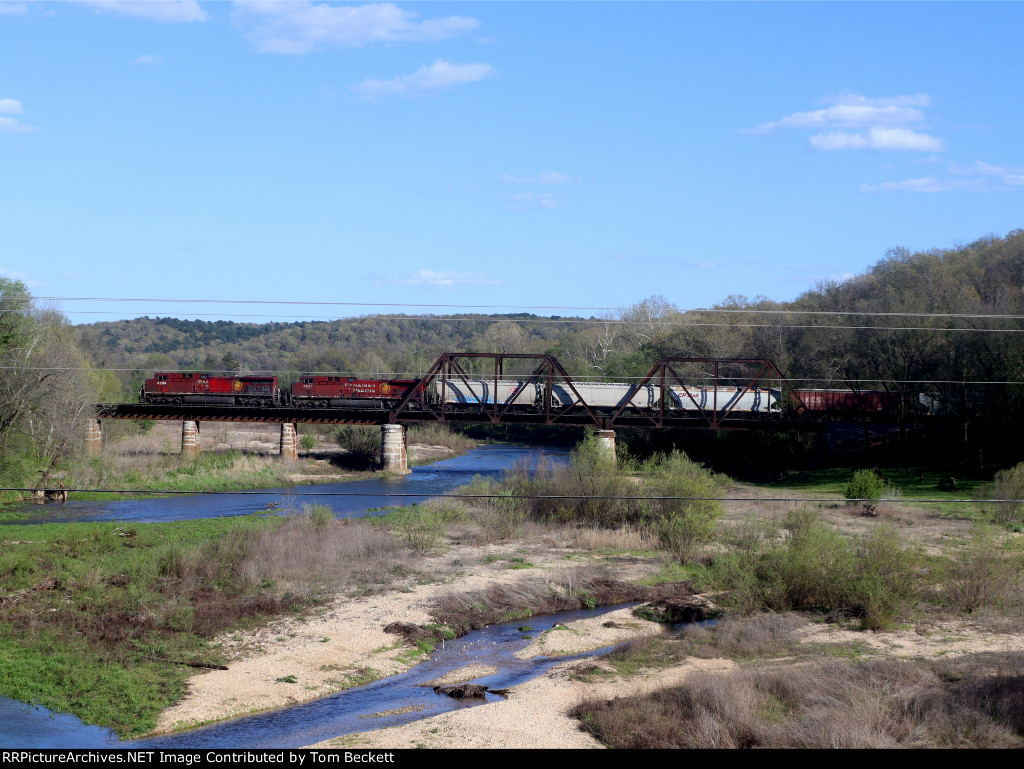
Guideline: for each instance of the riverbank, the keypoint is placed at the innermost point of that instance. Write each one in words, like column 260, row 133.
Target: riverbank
column 299, row 659
column 234, row 457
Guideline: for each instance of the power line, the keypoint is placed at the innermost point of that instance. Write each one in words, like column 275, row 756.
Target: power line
column 607, row 497
column 864, row 313
column 595, row 378
column 581, row 321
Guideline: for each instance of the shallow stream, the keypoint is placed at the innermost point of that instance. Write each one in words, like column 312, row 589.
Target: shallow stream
column 22, row 726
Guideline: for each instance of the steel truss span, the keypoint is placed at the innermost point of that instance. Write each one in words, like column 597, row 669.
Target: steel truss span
column 526, row 389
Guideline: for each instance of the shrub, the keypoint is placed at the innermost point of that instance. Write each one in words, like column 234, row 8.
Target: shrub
column 419, row 528
column 980, row 573
column 1007, row 484
column 887, row 579
column 307, row 442
column 818, row 569
column 319, row 516
column 683, row 525
column 362, row 442
column 866, row 484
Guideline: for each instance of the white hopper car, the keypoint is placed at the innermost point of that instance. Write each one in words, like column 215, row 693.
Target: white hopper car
column 611, row 395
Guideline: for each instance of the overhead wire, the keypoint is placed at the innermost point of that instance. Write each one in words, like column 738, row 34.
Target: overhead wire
column 485, row 377
column 733, row 310
column 420, row 495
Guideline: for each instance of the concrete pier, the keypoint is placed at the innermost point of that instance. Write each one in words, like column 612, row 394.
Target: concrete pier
column 289, row 442
column 93, row 438
column 189, row 439
column 394, row 454
column 606, row 443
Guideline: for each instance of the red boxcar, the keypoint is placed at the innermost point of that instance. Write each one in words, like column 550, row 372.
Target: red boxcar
column 316, row 391
column 179, row 388
column 849, row 402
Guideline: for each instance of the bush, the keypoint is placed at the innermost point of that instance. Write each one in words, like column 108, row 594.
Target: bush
column 866, row 484
column 1007, row 484
column 319, row 516
column 361, row 441
column 818, row 569
column 683, row 525
column 307, row 442
column 980, row 574
column 420, row 528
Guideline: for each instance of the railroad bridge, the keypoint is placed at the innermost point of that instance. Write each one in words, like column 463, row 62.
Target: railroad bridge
column 470, row 372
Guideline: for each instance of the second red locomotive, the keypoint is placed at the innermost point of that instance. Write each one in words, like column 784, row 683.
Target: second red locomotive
column 316, row 391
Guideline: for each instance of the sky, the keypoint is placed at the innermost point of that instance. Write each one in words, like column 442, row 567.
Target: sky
column 560, row 158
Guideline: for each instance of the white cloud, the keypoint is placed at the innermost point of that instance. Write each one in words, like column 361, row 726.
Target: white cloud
column 845, row 116
column 154, row 10
column 427, row 79
column 878, row 139
column 300, row 26
column 977, row 177
column 149, row 58
column 924, row 184
column 10, row 125
column 906, row 100
column 544, row 177
column 543, row 200
column 1006, row 175
column 13, row 9
column 444, row 279
column 879, row 124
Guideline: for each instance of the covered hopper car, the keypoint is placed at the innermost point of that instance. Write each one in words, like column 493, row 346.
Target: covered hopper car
column 606, row 396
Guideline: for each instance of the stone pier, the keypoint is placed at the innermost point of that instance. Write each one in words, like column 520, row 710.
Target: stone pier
column 394, row 455
column 606, row 443
column 189, row 439
column 93, row 438
column 289, row 442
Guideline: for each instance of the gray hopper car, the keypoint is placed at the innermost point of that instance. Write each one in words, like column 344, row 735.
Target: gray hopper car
column 609, row 395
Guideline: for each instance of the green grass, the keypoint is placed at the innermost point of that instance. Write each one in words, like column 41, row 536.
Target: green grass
column 112, row 609
column 834, row 481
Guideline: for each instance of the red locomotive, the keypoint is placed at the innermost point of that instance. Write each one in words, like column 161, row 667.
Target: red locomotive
column 316, row 391
column 179, row 388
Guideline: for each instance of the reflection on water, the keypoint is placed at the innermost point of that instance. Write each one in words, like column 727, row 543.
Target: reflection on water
column 22, row 726
column 423, row 482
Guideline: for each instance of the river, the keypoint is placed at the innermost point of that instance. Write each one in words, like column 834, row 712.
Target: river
column 23, row 726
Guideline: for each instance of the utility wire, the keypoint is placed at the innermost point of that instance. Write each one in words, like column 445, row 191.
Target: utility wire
column 866, row 313
column 588, row 378
column 278, row 493
column 586, row 322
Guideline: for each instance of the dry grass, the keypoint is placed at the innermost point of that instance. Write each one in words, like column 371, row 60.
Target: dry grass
column 439, row 435
column 565, row 590
column 824, row 704
column 311, row 556
column 596, row 539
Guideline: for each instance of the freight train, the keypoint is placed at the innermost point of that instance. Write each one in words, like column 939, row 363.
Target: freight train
column 325, row 392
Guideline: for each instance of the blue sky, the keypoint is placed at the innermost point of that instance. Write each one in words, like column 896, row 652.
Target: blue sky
column 503, row 154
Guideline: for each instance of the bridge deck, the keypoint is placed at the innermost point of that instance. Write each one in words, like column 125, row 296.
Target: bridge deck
column 477, row 415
